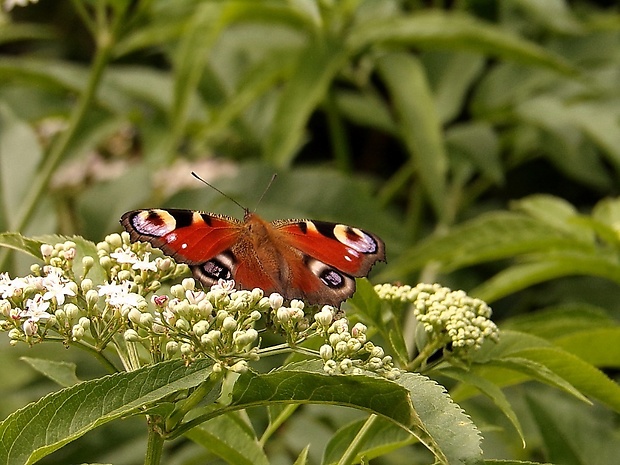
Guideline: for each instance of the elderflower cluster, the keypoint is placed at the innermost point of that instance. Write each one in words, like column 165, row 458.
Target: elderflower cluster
column 448, row 317
column 347, row 350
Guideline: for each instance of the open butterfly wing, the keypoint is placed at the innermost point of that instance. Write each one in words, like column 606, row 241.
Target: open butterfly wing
column 189, row 237
column 348, row 249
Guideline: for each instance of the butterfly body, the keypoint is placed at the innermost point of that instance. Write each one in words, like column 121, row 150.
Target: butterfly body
column 303, row 259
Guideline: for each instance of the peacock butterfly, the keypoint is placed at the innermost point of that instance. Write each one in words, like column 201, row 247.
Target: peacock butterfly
column 314, row 261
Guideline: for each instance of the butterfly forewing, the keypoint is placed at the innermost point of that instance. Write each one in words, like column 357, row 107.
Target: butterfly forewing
column 188, row 236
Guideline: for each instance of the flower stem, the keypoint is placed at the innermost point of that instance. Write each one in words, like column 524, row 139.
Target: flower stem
column 193, row 400
column 155, row 441
column 360, row 438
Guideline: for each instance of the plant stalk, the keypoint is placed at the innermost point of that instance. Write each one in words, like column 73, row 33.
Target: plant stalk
column 155, row 441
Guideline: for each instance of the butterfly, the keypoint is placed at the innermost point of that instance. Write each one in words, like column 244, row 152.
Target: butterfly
column 313, row 261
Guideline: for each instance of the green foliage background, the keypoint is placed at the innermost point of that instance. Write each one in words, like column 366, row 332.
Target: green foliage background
column 480, row 139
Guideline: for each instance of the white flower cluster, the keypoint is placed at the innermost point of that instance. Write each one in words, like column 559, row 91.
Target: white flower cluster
column 447, row 316
column 347, row 351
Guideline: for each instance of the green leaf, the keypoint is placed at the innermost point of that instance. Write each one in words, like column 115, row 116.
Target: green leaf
column 574, row 433
column 418, row 123
column 580, row 374
column 61, row 417
column 379, row 439
column 452, row 75
column 439, row 29
column 18, row 242
column 380, row 315
column 228, row 437
column 451, row 430
column 489, row 237
column 365, row 109
column 562, row 321
column 62, row 373
column 448, row 432
column 607, row 211
column 12, row 32
column 295, row 383
column 302, row 459
column 546, row 267
column 317, row 65
column 489, row 389
column 599, row 346
column 479, row 144
column 538, row 371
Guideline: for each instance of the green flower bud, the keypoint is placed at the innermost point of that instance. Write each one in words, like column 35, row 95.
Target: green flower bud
column 77, row 332
column 172, row 347
column 131, row 335
column 134, row 316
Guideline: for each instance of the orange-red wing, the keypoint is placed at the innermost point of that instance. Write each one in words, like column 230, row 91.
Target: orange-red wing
column 187, row 236
column 348, row 249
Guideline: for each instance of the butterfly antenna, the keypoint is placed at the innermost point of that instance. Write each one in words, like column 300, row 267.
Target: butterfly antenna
column 273, row 178
column 217, row 190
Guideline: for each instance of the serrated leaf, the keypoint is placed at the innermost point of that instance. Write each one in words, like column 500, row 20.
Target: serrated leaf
column 418, row 123
column 63, row 416
column 447, row 431
column 451, row 430
column 62, row 373
column 227, row 437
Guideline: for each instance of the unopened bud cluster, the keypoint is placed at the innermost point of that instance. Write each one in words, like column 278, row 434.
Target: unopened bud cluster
column 347, row 350
column 448, row 317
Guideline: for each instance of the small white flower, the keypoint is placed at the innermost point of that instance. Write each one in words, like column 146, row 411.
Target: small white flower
column 195, row 297
column 276, row 300
column 124, row 256
column 118, row 295
column 36, row 309
column 56, row 285
column 223, row 285
column 144, row 264
column 30, row 327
